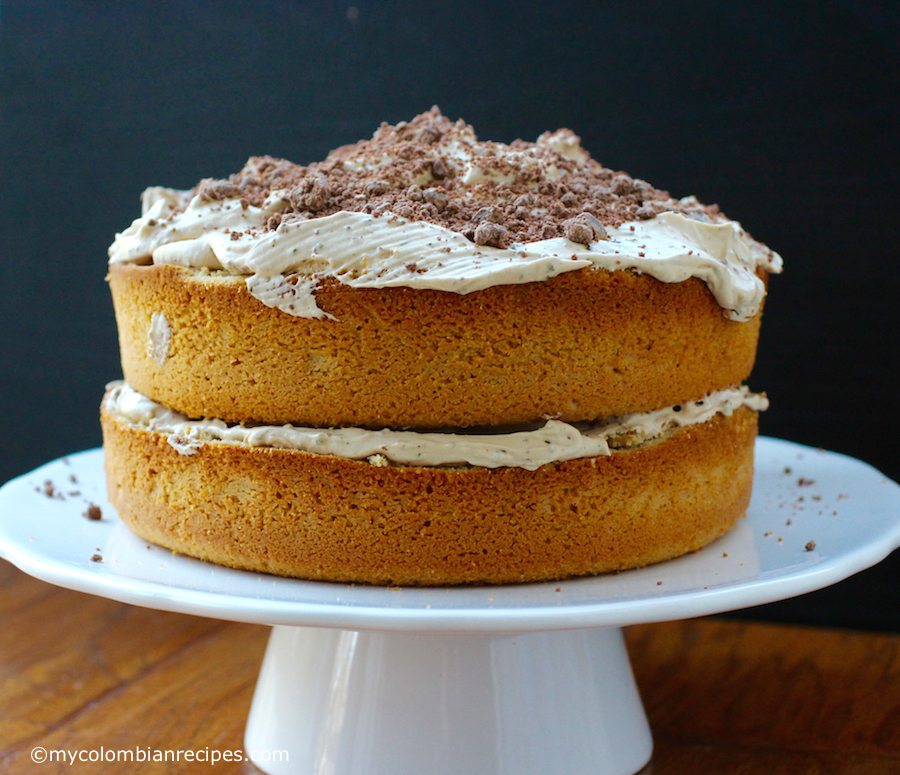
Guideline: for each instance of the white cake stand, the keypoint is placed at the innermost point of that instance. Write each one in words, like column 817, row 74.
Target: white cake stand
column 526, row 679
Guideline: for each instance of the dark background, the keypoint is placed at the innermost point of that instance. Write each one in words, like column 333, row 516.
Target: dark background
column 786, row 114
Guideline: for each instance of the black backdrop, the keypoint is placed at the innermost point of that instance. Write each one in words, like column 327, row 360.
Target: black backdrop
column 783, row 113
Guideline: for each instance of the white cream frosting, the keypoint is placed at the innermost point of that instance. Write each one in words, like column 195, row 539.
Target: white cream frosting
column 284, row 267
column 552, row 442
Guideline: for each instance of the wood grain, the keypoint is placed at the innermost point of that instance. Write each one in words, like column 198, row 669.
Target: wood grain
column 727, row 697
column 81, row 672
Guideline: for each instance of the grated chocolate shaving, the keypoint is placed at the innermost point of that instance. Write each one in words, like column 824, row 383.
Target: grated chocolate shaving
column 435, row 170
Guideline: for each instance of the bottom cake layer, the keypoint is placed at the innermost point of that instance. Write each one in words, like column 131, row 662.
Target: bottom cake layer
column 322, row 517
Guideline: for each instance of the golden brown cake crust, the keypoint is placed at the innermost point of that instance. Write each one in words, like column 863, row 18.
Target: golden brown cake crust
column 581, row 346
column 321, row 517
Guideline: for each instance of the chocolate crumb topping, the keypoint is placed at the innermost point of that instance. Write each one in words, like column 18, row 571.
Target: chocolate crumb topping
column 377, row 187
column 313, row 193
column 437, row 197
column 578, row 231
column 491, row 234
column 439, row 169
column 584, row 228
column 492, row 214
column 216, row 190
column 435, row 170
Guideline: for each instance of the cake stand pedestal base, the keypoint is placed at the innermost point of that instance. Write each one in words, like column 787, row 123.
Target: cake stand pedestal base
column 409, row 703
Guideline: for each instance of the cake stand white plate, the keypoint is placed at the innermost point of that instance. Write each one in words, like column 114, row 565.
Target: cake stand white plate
column 517, row 679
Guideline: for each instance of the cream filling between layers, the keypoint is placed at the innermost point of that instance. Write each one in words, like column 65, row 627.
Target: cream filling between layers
column 553, row 442
column 283, row 267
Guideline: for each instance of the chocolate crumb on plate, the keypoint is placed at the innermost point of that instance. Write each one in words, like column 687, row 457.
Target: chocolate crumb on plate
column 93, row 512
column 48, row 488
column 810, row 546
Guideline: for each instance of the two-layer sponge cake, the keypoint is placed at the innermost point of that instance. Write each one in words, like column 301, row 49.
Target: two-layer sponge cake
column 433, row 360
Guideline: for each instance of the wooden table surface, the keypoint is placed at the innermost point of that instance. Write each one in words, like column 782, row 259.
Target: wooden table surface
column 79, row 672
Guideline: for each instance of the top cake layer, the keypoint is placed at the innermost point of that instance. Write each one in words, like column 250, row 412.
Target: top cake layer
column 425, row 204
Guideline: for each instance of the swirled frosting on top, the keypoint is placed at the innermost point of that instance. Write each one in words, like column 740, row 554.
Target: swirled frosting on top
column 425, row 204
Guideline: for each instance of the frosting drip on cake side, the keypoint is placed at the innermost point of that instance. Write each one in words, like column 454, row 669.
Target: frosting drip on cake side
column 490, row 214
column 553, row 442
